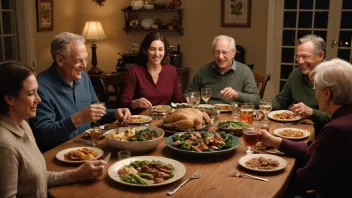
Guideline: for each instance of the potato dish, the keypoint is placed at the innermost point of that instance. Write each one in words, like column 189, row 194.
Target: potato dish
column 291, row 133
column 262, row 163
column 138, row 119
column 223, row 107
column 162, row 108
column 134, row 134
column 80, row 155
column 284, row 116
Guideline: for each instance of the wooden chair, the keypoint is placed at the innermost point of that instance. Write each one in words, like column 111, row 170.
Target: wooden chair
column 261, row 81
column 112, row 86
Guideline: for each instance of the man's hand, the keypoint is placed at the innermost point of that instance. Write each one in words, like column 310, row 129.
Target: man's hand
column 141, row 103
column 90, row 113
column 229, row 93
column 123, row 114
column 302, row 109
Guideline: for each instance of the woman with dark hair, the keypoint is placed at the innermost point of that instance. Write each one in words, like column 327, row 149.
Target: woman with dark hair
column 153, row 81
column 23, row 170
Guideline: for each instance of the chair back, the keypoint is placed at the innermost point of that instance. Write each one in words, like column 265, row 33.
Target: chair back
column 112, row 86
column 261, row 81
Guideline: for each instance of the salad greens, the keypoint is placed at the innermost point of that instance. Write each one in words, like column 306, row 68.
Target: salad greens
column 145, row 134
column 230, row 125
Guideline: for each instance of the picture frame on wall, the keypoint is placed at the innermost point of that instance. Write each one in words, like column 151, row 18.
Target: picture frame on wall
column 45, row 15
column 236, row 13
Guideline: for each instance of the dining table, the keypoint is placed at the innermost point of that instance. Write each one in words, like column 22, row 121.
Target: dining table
column 217, row 178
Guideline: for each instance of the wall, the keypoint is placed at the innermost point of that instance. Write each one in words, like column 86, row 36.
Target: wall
column 201, row 24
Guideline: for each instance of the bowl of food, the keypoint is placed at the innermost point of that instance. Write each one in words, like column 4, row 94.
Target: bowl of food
column 134, row 139
column 234, row 127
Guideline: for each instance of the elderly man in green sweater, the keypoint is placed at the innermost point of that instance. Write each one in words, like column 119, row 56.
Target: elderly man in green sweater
column 298, row 89
column 229, row 80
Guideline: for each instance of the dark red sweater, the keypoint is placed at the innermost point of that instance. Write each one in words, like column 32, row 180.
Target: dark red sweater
column 139, row 83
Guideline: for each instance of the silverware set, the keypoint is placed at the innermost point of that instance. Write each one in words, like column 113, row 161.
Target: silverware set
column 239, row 174
column 196, row 175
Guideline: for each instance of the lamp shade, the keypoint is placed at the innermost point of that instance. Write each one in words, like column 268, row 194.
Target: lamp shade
column 93, row 30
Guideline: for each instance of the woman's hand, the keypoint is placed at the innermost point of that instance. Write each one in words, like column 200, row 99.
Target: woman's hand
column 123, row 114
column 89, row 170
column 141, row 103
column 269, row 140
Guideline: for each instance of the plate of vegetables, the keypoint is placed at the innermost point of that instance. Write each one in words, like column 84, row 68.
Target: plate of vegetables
column 146, row 171
column 234, row 127
column 203, row 143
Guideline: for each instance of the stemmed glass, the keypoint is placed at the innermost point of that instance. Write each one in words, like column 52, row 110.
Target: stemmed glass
column 250, row 137
column 265, row 106
column 193, row 98
column 206, row 94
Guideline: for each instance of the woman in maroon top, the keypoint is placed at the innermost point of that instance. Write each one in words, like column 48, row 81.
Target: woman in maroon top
column 328, row 161
column 153, row 81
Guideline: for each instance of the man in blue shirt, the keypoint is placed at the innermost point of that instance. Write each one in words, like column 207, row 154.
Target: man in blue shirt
column 67, row 95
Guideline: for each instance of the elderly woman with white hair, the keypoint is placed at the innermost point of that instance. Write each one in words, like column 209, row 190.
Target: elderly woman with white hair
column 328, row 158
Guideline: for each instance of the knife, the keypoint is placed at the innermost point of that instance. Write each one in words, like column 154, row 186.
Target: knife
column 107, row 157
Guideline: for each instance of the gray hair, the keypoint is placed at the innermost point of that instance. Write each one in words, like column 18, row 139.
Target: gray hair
column 61, row 44
column 318, row 42
column 224, row 37
column 336, row 75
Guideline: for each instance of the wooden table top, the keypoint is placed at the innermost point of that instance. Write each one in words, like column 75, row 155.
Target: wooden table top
column 216, row 179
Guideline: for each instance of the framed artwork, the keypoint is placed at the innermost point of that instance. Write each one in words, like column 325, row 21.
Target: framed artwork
column 236, row 13
column 45, row 15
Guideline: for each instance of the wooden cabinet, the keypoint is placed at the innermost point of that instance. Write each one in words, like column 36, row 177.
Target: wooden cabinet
column 153, row 14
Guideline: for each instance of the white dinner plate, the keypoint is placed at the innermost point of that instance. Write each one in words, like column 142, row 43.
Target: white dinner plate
column 245, row 158
column 223, row 105
column 147, row 118
column 305, row 133
column 161, row 108
column 180, row 169
column 60, row 155
column 271, row 116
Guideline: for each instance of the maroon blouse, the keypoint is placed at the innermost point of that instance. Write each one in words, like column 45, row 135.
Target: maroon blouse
column 139, row 83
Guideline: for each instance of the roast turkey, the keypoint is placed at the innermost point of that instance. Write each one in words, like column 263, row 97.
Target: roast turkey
column 186, row 118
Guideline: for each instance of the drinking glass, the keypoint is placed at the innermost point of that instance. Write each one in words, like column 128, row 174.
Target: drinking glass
column 213, row 114
column 235, row 107
column 250, row 137
column 193, row 98
column 263, row 125
column 247, row 110
column 95, row 134
column 206, row 94
column 265, row 106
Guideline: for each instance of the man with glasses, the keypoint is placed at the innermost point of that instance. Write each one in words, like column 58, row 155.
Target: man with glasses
column 298, row 89
column 229, row 80
column 67, row 95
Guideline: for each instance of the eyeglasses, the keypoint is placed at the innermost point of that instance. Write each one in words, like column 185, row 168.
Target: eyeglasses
column 224, row 53
column 304, row 57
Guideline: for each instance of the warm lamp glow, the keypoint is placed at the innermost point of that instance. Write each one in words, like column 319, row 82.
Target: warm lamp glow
column 93, row 30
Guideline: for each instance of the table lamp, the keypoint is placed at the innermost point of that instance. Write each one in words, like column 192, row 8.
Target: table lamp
column 93, row 31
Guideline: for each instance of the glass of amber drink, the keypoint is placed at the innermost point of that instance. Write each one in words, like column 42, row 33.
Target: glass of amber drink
column 95, row 134
column 247, row 110
column 250, row 137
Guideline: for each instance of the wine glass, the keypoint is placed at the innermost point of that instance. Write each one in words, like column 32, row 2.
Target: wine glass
column 250, row 137
column 193, row 98
column 265, row 106
column 206, row 94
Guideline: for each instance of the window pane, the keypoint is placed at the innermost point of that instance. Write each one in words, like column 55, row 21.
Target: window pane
column 286, row 71
column 8, row 21
column 321, row 19
column 287, row 55
column 347, row 4
column 345, row 38
column 290, row 4
column 344, row 54
column 8, row 4
column 288, row 38
column 346, row 19
column 322, row 4
column 305, row 19
column 302, row 33
column 10, row 46
column 290, row 19
column 306, row 4
column 322, row 34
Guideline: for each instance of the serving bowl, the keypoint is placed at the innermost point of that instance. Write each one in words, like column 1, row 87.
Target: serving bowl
column 148, row 6
column 134, row 146
column 235, row 131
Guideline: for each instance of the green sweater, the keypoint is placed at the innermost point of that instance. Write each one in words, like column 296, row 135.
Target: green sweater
column 239, row 77
column 298, row 89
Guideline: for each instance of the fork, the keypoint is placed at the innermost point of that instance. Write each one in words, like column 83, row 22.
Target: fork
column 238, row 174
column 194, row 176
